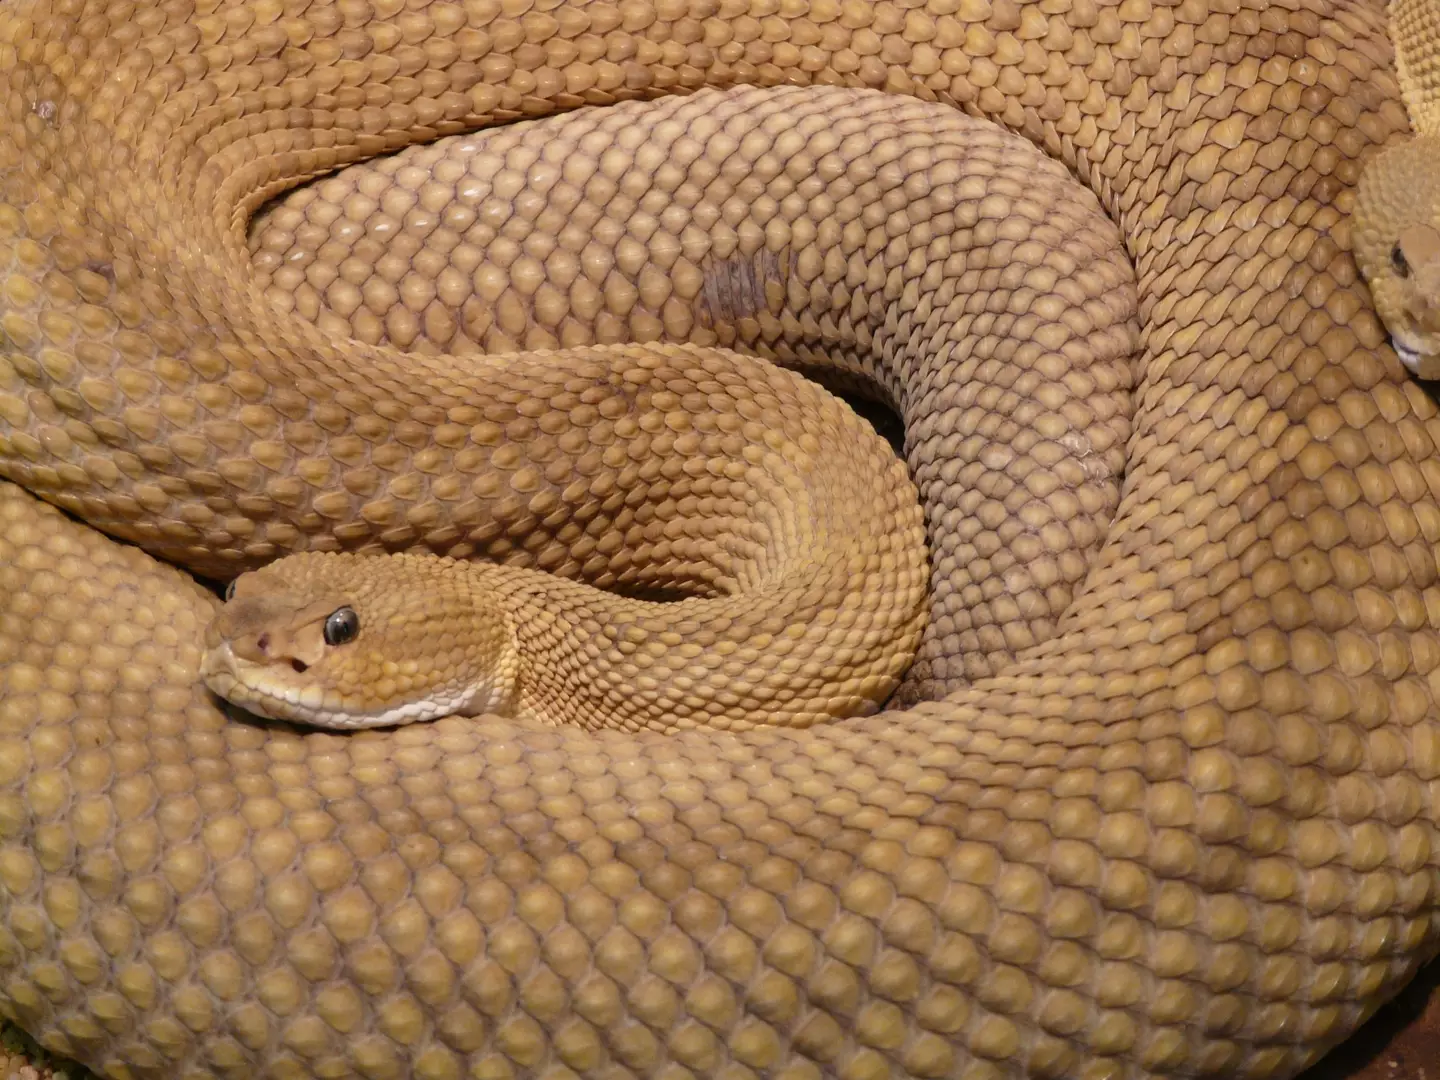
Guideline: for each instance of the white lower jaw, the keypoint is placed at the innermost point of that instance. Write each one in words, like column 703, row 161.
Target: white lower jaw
column 285, row 704
column 1408, row 356
column 297, row 706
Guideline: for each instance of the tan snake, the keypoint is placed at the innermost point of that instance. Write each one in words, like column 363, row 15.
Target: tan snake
column 1185, row 828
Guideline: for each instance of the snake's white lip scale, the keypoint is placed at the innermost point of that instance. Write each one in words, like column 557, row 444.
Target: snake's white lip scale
column 1409, row 356
column 222, row 672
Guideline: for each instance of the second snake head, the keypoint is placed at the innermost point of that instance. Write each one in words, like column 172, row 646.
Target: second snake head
column 1397, row 247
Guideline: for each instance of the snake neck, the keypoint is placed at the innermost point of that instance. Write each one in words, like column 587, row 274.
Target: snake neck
column 595, row 659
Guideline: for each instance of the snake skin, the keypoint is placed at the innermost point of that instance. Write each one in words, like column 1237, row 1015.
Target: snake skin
column 1415, row 33
column 1008, row 356
column 1189, row 833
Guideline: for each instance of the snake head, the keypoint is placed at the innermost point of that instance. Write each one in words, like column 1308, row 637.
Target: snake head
column 354, row 641
column 1397, row 247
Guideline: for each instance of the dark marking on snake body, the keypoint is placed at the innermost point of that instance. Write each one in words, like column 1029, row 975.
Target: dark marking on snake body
column 734, row 288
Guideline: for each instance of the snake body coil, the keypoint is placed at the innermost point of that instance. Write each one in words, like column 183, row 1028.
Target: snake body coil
column 1176, row 820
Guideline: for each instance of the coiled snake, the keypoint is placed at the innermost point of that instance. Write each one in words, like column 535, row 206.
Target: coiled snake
column 1171, row 814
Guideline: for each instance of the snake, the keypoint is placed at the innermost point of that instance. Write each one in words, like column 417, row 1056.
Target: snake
column 1154, row 797
column 1397, row 204
column 1076, row 394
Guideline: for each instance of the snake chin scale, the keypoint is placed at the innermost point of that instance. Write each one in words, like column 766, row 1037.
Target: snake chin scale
column 261, row 690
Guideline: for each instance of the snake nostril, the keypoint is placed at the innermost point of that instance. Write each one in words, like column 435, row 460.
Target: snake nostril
column 263, row 642
column 300, row 666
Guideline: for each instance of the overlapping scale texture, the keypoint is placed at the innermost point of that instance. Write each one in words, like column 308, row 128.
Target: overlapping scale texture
column 1187, row 831
column 871, row 239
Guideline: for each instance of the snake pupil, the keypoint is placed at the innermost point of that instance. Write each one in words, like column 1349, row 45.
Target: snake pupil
column 341, row 626
column 1398, row 260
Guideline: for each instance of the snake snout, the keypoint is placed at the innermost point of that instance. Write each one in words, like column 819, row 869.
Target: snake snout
column 263, row 648
column 1416, row 337
column 270, row 629
column 1425, row 310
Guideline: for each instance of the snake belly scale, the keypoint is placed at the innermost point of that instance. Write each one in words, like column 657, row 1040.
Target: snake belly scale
column 1185, row 829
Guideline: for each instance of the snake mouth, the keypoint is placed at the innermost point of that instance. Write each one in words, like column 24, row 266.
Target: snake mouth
column 254, row 688
column 1410, row 357
column 263, row 690
column 1420, row 361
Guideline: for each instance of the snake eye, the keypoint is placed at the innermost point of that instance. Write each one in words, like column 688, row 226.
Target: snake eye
column 341, row 626
column 1399, row 262
column 230, row 590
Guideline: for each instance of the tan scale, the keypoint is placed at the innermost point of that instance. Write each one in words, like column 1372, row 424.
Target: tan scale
column 1188, row 831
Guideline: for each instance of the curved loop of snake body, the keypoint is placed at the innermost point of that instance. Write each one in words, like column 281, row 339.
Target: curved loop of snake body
column 1179, row 823
column 854, row 233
